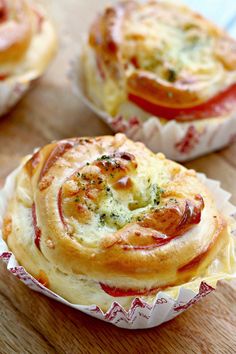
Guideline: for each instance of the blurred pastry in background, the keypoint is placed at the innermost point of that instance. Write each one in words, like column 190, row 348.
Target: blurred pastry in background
column 163, row 74
column 27, row 45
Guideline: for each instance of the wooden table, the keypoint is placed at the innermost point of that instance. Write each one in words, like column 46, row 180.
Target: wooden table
column 32, row 323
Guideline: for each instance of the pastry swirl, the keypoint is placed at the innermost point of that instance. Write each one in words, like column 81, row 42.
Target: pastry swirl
column 15, row 29
column 99, row 218
column 27, row 40
column 164, row 58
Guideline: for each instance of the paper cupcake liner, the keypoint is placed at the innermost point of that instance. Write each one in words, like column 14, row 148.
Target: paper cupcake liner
column 178, row 141
column 11, row 91
column 140, row 314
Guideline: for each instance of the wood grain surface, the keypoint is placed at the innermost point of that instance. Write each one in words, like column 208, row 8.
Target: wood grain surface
column 32, row 323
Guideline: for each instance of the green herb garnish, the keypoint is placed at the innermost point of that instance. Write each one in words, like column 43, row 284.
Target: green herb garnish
column 104, row 157
column 171, row 75
column 102, row 219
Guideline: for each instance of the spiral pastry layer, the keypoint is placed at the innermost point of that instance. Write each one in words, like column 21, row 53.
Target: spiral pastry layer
column 161, row 57
column 94, row 219
column 27, row 40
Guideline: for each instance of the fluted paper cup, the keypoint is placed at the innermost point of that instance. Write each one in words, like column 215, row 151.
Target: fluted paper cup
column 178, row 141
column 142, row 313
column 11, row 91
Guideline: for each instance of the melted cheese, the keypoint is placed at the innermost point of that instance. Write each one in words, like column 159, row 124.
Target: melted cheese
column 113, row 209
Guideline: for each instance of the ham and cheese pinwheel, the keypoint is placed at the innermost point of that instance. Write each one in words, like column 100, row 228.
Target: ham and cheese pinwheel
column 27, row 45
column 104, row 219
column 164, row 58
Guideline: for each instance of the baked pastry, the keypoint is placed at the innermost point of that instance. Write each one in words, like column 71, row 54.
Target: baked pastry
column 104, row 219
column 27, row 44
column 163, row 58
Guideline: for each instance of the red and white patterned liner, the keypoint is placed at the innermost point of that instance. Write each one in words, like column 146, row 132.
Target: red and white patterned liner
column 178, row 141
column 140, row 314
column 11, row 91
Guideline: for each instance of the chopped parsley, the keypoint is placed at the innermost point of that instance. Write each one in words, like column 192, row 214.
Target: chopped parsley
column 113, row 215
column 102, row 219
column 171, row 75
column 173, row 200
column 156, row 194
column 104, row 157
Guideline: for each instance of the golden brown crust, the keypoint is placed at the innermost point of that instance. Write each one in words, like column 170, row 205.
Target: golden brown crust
column 27, row 40
column 16, row 29
column 161, row 52
column 226, row 51
column 106, row 35
column 110, row 211
column 161, row 92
